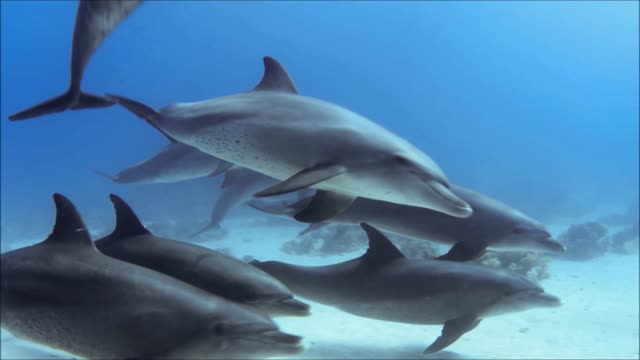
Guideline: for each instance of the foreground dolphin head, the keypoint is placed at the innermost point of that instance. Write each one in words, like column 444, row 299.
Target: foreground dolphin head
column 247, row 336
column 64, row 293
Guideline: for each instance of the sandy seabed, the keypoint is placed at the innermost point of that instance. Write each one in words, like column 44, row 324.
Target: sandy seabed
column 599, row 317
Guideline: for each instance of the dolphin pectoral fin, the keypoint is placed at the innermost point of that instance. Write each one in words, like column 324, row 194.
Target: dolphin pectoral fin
column 323, row 206
column 304, row 178
column 313, row 227
column 453, row 329
column 271, row 207
column 223, row 166
column 464, row 251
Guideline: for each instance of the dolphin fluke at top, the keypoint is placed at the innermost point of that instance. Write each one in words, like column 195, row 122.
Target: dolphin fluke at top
column 70, row 100
column 95, row 20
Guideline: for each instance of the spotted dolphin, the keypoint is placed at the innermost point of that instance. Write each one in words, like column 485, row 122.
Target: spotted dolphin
column 383, row 284
column 494, row 225
column 175, row 162
column 65, row 294
column 95, row 20
column 307, row 142
column 207, row 269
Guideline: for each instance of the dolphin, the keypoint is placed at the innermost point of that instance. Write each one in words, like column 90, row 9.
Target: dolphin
column 494, row 225
column 383, row 284
column 238, row 187
column 307, row 142
column 65, row 294
column 175, row 162
column 95, row 20
column 207, row 269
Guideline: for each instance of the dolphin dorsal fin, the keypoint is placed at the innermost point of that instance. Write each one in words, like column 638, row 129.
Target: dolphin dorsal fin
column 381, row 249
column 275, row 77
column 127, row 222
column 69, row 227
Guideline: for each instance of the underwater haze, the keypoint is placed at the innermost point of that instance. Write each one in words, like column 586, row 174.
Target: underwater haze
column 534, row 103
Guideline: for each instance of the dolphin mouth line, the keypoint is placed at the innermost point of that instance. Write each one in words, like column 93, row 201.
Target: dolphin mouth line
column 282, row 341
column 450, row 198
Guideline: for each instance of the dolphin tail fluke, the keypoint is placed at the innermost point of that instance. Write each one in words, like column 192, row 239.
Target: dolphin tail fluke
column 69, row 100
column 453, row 329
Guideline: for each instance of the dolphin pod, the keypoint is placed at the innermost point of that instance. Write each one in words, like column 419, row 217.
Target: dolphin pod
column 383, row 284
column 95, row 20
column 306, row 142
column 493, row 225
column 66, row 294
column 134, row 295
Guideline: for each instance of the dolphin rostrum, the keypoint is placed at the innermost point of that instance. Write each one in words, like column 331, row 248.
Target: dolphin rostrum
column 207, row 269
column 492, row 225
column 95, row 20
column 383, row 284
column 307, row 142
column 65, row 294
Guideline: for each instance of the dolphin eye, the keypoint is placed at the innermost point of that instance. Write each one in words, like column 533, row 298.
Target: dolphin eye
column 218, row 328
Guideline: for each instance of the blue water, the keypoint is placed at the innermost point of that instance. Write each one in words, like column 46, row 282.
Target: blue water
column 534, row 103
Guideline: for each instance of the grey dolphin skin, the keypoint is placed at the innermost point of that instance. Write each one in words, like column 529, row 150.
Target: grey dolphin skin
column 95, row 20
column 383, row 284
column 493, row 225
column 65, row 294
column 238, row 187
column 307, row 142
column 175, row 162
column 207, row 269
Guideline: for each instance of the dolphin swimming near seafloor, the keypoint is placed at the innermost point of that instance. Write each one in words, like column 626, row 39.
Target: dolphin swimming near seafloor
column 383, row 284
column 493, row 225
column 95, row 20
column 238, row 187
column 307, row 142
column 65, row 294
column 204, row 268
column 175, row 162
